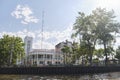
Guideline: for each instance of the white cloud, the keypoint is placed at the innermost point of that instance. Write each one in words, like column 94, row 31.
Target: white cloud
column 51, row 38
column 25, row 14
column 45, row 45
column 58, row 35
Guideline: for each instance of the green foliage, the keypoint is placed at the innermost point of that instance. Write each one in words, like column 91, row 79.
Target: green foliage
column 99, row 27
column 10, row 49
column 118, row 53
column 106, row 26
column 83, row 28
column 99, row 53
column 66, row 54
column 75, row 52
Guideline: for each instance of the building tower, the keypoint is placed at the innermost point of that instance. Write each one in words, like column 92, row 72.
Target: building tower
column 28, row 44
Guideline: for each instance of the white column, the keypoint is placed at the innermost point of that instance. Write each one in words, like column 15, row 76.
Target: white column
column 37, row 59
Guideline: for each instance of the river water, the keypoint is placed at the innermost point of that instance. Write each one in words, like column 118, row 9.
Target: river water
column 104, row 76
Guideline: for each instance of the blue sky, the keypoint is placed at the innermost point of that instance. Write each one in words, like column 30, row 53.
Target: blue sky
column 24, row 17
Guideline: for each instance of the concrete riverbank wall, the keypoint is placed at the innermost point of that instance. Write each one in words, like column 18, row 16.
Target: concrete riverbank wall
column 59, row 70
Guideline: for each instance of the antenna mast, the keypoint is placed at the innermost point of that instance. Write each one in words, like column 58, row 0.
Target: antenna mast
column 42, row 29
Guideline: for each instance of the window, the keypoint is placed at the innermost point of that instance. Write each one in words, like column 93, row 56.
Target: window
column 41, row 62
column 40, row 56
column 49, row 62
column 48, row 56
column 33, row 56
column 57, row 62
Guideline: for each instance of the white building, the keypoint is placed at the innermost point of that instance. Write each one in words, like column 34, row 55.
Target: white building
column 40, row 57
column 61, row 45
column 28, row 44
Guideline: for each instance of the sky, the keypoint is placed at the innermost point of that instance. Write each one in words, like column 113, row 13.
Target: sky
column 24, row 17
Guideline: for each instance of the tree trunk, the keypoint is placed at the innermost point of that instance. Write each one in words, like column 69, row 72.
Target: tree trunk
column 90, row 50
column 90, row 59
column 105, row 52
column 64, row 59
column 82, row 60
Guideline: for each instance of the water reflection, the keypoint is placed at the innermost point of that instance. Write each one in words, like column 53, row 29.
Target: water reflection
column 105, row 76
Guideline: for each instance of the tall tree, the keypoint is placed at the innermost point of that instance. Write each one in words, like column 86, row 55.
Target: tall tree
column 83, row 28
column 10, row 50
column 118, row 54
column 100, row 26
column 106, row 27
